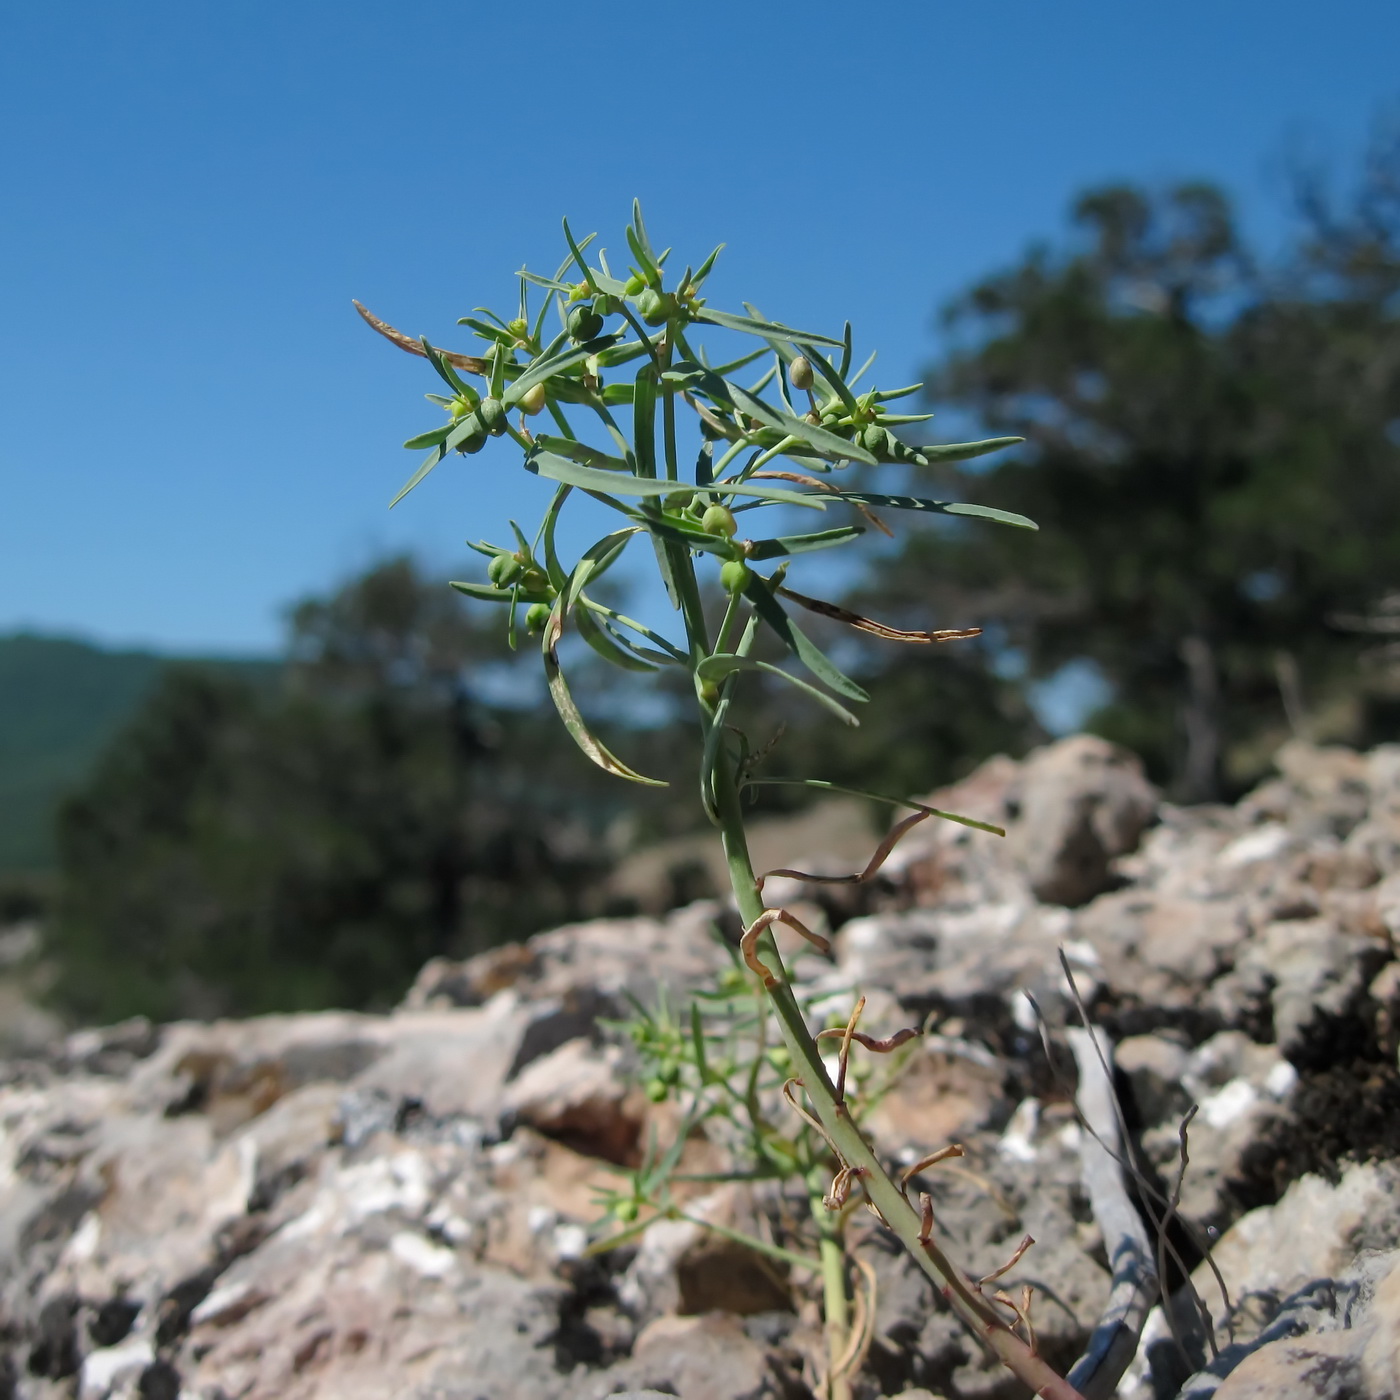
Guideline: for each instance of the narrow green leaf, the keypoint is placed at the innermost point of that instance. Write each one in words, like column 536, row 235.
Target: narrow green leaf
column 494, row 334
column 644, row 421
column 806, row 651
column 823, row 786
column 751, row 325
column 606, row 283
column 448, row 375
column 870, row 360
column 667, row 574
column 669, row 650
column 697, row 1031
column 620, row 353
column 802, row 544
column 828, row 444
column 578, row 257
column 595, row 561
column 672, row 528
column 870, row 498
column 484, row 592
column 429, row 462
column 558, row 577
column 545, row 368
column 763, row 381
column 429, row 439
column 580, row 452
column 889, row 395
column 651, row 273
column 714, row 668
column 961, row 451
column 605, row 645
column 556, row 468
column 569, row 711
column 714, row 750
column 640, row 228
column 697, row 281
column 738, row 364
column 552, row 283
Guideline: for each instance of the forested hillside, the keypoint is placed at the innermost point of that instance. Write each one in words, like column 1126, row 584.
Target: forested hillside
column 61, row 701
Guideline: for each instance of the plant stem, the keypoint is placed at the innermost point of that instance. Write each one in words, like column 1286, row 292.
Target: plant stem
column 834, row 1300
column 976, row 1312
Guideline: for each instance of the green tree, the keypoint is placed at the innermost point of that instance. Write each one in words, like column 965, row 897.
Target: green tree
column 1211, row 455
column 244, row 849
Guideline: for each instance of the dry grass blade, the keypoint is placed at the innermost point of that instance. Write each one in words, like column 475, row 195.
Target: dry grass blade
column 1022, row 1311
column 471, row 363
column 1010, row 1264
column 748, row 944
column 812, row 1122
column 868, row 624
column 880, row 1047
column 954, row 1149
column 840, row 1191
column 863, row 1330
column 882, row 854
column 845, row 1056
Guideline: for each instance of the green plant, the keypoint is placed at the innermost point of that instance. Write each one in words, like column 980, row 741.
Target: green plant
column 728, row 1077
column 812, row 416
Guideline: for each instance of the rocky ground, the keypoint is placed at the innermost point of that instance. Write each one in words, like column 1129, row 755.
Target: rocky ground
column 341, row 1206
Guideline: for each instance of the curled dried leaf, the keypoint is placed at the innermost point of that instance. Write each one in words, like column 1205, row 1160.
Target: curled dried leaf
column 471, row 363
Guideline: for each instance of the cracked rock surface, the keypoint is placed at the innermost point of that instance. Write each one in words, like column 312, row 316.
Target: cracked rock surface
column 332, row 1206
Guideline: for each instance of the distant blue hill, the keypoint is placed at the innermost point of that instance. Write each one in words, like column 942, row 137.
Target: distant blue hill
column 61, row 703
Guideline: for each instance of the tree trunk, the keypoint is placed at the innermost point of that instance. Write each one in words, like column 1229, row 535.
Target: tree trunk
column 1199, row 777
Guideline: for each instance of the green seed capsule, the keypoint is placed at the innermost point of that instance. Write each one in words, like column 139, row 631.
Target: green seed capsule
column 534, row 580
column 633, row 285
column 653, row 307
column 656, row 1090
column 459, row 408
column 533, row 399
column 475, row 439
column 493, row 415
column 504, row 569
column 800, row 372
column 875, row 439
column 719, row 520
column 537, row 618
column 734, row 575
column 584, row 322
column 625, row 1212
column 605, row 304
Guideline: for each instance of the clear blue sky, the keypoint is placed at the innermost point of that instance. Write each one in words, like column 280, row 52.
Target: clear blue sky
column 195, row 428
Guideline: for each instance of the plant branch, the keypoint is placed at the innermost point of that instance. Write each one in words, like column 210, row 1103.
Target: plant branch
column 976, row 1312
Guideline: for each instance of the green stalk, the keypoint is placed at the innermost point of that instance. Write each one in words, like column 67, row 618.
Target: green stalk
column 976, row 1312
column 834, row 1300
